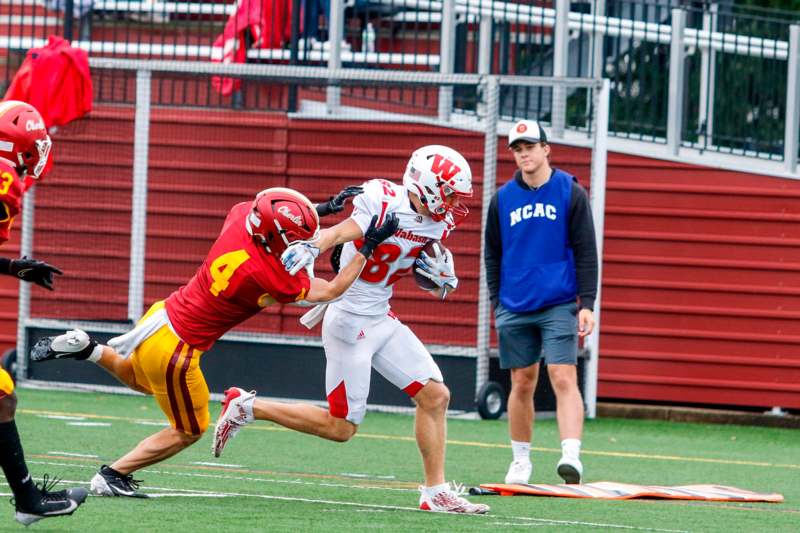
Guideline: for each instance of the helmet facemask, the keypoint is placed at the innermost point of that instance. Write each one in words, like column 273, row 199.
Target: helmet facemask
column 43, row 147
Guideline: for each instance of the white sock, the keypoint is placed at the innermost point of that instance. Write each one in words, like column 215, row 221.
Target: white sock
column 521, row 451
column 96, row 354
column 436, row 489
column 571, row 448
column 247, row 405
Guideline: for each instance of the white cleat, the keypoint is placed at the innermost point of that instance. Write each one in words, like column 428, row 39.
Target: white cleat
column 570, row 469
column 450, row 501
column 232, row 418
column 519, row 473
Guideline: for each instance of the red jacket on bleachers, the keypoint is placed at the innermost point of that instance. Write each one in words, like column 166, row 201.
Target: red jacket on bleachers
column 55, row 80
column 269, row 23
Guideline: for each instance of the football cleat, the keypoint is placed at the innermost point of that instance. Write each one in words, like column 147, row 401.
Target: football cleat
column 50, row 504
column 232, row 418
column 570, row 469
column 109, row 482
column 449, row 501
column 75, row 344
column 519, row 472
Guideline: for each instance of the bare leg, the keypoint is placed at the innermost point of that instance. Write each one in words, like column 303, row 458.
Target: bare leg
column 520, row 402
column 569, row 403
column 120, row 368
column 305, row 418
column 430, row 427
column 155, row 448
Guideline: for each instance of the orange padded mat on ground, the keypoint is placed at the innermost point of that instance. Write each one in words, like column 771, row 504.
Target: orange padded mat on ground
column 610, row 490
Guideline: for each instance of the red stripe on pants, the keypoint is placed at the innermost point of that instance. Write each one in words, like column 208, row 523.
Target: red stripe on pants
column 337, row 401
column 187, row 398
column 413, row 388
column 173, row 402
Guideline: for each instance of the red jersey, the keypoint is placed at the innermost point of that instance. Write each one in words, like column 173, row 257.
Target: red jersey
column 237, row 280
column 11, row 190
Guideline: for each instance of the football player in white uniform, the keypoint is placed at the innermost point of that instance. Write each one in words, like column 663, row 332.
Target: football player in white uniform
column 360, row 332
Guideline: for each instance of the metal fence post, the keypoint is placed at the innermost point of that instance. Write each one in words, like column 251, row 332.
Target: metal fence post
column 141, row 148
column 293, row 54
column 484, row 52
column 492, row 103
column 485, row 44
column 598, row 37
column 69, row 8
column 560, row 67
column 792, row 129
column 597, row 189
column 447, row 52
column 677, row 73
column 24, row 304
column 335, row 36
column 708, row 78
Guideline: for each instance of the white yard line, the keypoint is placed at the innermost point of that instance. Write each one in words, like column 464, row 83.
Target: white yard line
column 223, row 465
column 366, row 476
column 62, row 417
column 70, row 454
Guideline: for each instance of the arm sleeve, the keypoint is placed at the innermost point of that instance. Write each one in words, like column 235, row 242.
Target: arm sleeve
column 493, row 251
column 584, row 246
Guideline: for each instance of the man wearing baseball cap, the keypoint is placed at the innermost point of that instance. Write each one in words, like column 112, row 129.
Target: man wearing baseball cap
column 541, row 269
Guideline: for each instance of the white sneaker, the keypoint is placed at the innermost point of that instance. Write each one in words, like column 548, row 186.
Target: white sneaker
column 570, row 469
column 232, row 418
column 519, row 472
column 449, row 501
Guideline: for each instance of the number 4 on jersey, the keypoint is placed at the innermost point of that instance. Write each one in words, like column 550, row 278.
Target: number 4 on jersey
column 223, row 267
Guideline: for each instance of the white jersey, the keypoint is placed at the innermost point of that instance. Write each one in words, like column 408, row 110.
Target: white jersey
column 394, row 257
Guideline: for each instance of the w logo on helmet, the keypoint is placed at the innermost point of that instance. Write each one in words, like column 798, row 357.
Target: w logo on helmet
column 444, row 168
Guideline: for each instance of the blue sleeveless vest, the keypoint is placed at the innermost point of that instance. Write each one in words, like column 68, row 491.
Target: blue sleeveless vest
column 537, row 266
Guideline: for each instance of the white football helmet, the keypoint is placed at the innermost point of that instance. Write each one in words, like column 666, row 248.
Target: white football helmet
column 435, row 172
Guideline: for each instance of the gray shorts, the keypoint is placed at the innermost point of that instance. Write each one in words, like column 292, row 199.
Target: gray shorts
column 525, row 338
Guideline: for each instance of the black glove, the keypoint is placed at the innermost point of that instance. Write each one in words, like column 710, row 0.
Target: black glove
column 374, row 236
column 33, row 270
column 336, row 203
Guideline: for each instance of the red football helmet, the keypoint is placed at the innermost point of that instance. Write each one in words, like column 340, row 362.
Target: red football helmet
column 280, row 217
column 23, row 138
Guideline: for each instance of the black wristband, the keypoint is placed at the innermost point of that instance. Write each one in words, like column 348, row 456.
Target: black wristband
column 367, row 248
column 336, row 257
column 323, row 209
column 5, row 265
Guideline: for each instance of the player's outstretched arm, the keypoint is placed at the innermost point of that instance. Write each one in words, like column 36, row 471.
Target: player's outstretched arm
column 326, row 291
column 302, row 254
column 336, row 203
column 31, row 270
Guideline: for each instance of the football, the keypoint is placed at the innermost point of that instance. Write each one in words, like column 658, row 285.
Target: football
column 423, row 282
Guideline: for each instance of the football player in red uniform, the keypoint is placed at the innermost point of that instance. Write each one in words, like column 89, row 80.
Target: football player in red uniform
column 24, row 155
column 241, row 275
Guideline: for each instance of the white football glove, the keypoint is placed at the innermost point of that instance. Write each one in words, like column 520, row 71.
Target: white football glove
column 298, row 256
column 439, row 269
